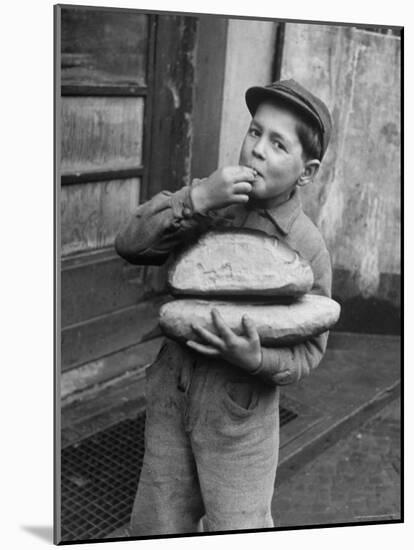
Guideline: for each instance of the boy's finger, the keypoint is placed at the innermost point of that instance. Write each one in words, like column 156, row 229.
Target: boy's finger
column 242, row 187
column 250, row 328
column 240, row 198
column 222, row 328
column 208, row 336
column 244, row 173
column 207, row 350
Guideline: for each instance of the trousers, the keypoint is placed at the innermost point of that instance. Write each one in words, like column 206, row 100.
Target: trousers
column 211, row 447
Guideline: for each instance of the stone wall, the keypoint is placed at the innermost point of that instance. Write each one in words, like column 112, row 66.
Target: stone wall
column 355, row 199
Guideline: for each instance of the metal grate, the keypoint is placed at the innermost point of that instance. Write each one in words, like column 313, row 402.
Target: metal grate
column 100, row 476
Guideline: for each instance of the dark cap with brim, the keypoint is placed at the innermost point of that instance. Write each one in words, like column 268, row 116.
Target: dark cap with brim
column 292, row 92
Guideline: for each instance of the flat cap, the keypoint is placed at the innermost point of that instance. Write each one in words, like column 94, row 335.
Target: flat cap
column 294, row 93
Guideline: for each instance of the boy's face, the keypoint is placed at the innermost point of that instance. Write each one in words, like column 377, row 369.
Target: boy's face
column 273, row 149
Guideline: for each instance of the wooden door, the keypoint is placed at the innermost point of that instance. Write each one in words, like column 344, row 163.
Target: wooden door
column 126, row 99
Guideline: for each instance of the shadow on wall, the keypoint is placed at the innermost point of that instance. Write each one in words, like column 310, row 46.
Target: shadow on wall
column 379, row 314
column 368, row 315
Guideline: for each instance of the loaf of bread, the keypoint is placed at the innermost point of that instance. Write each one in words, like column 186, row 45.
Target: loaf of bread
column 277, row 324
column 240, row 263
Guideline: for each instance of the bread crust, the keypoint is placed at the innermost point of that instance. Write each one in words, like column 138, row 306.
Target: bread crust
column 240, row 262
column 277, row 323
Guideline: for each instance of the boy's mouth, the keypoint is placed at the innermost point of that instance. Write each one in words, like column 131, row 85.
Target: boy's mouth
column 258, row 173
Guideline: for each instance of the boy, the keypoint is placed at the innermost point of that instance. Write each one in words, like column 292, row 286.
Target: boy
column 212, row 431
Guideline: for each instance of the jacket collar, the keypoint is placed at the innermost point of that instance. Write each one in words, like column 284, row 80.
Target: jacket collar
column 283, row 215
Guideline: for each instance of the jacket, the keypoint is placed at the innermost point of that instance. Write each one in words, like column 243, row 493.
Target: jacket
column 163, row 225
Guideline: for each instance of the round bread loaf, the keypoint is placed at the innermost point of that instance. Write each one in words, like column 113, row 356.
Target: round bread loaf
column 237, row 263
column 277, row 324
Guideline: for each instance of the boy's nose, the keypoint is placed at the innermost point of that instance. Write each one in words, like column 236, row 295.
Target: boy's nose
column 258, row 148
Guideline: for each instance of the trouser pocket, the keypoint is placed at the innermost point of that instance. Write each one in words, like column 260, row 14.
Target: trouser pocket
column 241, row 397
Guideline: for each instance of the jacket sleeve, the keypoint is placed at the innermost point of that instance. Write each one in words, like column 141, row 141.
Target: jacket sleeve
column 157, row 226
column 289, row 364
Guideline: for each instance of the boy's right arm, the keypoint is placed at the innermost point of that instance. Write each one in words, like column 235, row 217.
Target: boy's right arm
column 155, row 226
column 159, row 225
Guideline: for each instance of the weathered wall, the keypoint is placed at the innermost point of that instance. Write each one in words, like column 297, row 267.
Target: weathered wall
column 356, row 198
column 249, row 59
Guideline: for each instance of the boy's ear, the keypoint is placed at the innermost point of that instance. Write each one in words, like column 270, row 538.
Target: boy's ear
column 310, row 170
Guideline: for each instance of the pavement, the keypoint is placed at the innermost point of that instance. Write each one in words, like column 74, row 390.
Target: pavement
column 339, row 459
column 356, row 480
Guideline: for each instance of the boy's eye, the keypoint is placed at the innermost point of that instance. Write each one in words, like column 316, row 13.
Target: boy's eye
column 254, row 132
column 278, row 144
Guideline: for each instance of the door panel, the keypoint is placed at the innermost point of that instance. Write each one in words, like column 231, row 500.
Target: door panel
column 94, row 287
column 133, row 359
column 101, row 133
column 103, row 47
column 95, row 338
column 92, row 213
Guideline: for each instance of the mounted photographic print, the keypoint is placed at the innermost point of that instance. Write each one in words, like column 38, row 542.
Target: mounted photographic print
column 228, row 204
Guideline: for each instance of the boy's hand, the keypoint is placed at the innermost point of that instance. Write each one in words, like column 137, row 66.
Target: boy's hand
column 225, row 186
column 243, row 351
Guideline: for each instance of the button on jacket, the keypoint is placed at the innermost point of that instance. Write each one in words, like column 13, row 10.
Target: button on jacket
column 159, row 228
